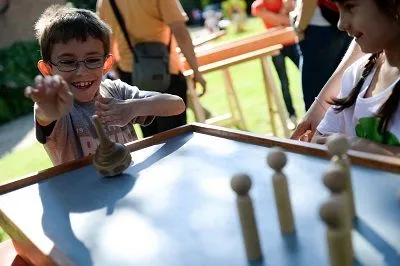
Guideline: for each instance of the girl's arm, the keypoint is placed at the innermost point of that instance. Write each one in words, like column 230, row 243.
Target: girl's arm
column 361, row 144
column 317, row 110
column 318, row 138
column 305, row 11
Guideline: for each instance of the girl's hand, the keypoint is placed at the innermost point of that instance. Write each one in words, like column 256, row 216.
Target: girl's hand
column 309, row 123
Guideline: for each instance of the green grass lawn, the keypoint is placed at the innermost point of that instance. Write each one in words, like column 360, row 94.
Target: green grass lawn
column 247, row 78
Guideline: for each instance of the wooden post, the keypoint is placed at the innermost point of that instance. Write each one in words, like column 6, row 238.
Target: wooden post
column 236, row 110
column 274, row 92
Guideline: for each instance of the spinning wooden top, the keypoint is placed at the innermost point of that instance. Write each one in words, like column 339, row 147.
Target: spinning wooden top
column 111, row 158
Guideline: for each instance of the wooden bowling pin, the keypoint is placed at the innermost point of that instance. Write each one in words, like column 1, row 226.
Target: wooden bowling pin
column 111, row 158
column 335, row 180
column 241, row 184
column 276, row 159
column 337, row 234
column 338, row 146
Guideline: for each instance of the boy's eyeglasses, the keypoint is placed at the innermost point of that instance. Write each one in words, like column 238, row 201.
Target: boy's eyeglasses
column 69, row 65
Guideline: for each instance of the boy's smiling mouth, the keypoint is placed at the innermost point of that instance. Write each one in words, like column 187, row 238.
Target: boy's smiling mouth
column 81, row 85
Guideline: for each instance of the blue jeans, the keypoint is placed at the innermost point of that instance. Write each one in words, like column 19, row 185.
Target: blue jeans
column 322, row 48
column 293, row 52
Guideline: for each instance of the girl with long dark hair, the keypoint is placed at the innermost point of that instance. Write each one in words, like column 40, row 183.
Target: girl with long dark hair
column 367, row 107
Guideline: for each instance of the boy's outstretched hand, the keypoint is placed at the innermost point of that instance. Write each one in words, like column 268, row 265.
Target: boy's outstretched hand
column 52, row 97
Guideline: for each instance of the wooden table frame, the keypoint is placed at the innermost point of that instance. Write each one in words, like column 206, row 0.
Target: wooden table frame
column 213, row 53
column 381, row 162
column 390, row 164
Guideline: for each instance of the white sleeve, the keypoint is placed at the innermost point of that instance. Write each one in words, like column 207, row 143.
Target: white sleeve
column 334, row 122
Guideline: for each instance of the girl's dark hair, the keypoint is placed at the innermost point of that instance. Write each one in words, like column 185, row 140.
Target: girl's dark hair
column 387, row 110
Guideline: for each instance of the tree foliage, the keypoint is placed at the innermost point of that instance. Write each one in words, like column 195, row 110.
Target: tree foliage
column 87, row 4
column 17, row 70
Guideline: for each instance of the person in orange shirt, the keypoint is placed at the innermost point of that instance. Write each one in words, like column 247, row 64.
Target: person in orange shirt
column 153, row 20
column 275, row 13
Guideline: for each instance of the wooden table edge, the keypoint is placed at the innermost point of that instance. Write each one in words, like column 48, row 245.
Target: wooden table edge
column 380, row 162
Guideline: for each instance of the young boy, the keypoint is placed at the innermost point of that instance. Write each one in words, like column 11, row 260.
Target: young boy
column 75, row 48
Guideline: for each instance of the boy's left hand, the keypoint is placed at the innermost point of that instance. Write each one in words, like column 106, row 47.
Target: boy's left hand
column 114, row 112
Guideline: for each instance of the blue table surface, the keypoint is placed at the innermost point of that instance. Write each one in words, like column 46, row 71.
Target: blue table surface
column 174, row 206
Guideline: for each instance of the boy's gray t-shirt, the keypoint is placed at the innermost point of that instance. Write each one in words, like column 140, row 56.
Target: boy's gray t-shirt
column 74, row 136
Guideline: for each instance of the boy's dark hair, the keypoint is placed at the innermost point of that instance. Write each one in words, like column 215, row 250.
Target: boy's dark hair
column 60, row 24
column 385, row 113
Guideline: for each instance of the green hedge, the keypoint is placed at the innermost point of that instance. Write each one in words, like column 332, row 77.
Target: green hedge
column 87, row 4
column 17, row 70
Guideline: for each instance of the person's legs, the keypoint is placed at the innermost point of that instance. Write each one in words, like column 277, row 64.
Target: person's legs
column 322, row 50
column 177, row 87
column 294, row 53
column 280, row 66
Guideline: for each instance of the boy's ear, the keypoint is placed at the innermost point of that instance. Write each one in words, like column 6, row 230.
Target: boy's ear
column 108, row 63
column 44, row 68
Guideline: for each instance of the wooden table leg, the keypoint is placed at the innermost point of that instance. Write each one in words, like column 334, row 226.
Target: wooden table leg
column 271, row 86
column 236, row 110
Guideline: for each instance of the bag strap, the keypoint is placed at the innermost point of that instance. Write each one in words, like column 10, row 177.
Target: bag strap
column 121, row 22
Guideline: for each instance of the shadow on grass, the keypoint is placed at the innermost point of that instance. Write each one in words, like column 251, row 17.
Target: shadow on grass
column 12, row 133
